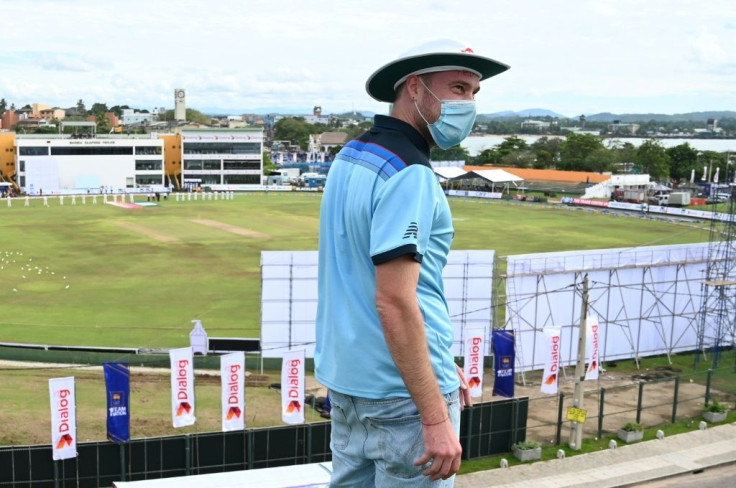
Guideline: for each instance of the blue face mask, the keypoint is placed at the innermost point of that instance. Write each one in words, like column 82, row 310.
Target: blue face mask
column 454, row 123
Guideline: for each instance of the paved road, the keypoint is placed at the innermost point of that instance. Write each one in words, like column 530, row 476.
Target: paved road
column 719, row 477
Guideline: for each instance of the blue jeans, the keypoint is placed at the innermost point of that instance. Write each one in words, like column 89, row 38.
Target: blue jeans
column 375, row 442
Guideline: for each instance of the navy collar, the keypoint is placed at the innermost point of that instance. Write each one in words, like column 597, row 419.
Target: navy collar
column 392, row 123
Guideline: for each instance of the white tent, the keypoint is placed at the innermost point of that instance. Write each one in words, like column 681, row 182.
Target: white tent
column 449, row 172
column 495, row 176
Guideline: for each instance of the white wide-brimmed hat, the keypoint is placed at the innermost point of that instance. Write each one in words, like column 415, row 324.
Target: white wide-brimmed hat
column 430, row 57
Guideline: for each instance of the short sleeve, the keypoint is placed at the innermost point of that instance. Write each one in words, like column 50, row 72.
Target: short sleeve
column 403, row 212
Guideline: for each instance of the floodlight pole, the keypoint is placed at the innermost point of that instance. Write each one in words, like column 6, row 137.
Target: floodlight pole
column 576, row 428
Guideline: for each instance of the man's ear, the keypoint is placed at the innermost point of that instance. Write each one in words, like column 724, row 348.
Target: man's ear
column 412, row 87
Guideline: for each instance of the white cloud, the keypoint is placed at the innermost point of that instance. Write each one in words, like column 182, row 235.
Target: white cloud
column 71, row 62
column 567, row 55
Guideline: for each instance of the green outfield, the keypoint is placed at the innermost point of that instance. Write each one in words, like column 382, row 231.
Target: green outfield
column 107, row 276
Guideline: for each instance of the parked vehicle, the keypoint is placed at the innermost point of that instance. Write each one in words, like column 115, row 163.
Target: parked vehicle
column 660, row 199
column 718, row 198
column 679, row 199
column 631, row 196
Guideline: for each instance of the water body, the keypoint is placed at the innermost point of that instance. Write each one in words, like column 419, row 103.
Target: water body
column 476, row 144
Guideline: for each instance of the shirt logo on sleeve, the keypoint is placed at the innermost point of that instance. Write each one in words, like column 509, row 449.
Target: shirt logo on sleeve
column 411, row 231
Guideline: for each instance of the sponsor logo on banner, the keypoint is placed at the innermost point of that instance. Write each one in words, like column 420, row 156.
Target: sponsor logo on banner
column 63, row 418
column 292, row 387
column 117, row 384
column 552, row 363
column 503, row 362
column 182, row 387
column 474, row 354
column 232, row 374
column 593, row 340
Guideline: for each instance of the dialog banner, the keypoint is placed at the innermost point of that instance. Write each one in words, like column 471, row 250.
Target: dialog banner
column 182, row 387
column 474, row 347
column 232, row 374
column 292, row 387
column 63, row 418
column 592, row 338
column 552, row 361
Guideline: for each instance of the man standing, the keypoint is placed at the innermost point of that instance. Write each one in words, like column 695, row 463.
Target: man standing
column 383, row 328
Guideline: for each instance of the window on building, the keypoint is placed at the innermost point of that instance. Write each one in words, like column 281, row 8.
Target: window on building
column 206, row 179
column 241, row 164
column 148, row 165
column 148, row 150
column 148, row 179
column 190, row 164
column 33, row 151
column 22, row 165
column 242, row 179
column 222, row 148
column 212, row 164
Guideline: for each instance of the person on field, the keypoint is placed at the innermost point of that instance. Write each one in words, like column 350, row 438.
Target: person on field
column 383, row 329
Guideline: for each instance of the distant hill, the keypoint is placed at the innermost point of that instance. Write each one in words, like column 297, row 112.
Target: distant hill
column 510, row 114
column 526, row 113
column 687, row 117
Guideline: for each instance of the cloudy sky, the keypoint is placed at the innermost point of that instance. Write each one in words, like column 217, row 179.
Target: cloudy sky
column 569, row 56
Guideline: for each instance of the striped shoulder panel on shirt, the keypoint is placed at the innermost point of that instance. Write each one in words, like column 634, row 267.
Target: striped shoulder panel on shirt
column 374, row 157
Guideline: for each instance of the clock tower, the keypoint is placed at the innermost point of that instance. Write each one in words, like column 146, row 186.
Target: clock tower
column 180, row 108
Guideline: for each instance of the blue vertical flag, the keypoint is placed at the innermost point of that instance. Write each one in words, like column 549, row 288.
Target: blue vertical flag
column 117, row 381
column 503, row 362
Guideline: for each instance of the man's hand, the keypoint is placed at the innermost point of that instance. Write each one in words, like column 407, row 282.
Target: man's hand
column 465, row 399
column 442, row 447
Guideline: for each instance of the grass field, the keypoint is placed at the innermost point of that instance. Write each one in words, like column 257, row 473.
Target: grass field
column 107, row 276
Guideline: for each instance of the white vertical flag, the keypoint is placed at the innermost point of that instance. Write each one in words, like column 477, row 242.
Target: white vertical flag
column 715, row 177
column 592, row 339
column 474, row 353
column 292, row 387
column 552, row 362
column 232, row 373
column 63, row 418
column 705, row 173
column 182, row 387
column 692, row 176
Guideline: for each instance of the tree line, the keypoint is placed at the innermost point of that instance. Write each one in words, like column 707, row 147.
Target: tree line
column 512, row 125
column 587, row 152
column 572, row 152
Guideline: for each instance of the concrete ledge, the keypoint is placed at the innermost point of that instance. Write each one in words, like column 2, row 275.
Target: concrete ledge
column 627, row 465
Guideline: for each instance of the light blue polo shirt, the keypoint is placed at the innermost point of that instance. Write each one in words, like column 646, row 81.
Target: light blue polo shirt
column 382, row 200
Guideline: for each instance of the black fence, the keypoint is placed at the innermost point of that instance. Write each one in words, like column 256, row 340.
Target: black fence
column 486, row 429
column 652, row 398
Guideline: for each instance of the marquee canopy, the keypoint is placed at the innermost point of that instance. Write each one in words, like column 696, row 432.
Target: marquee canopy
column 449, row 172
column 495, row 176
